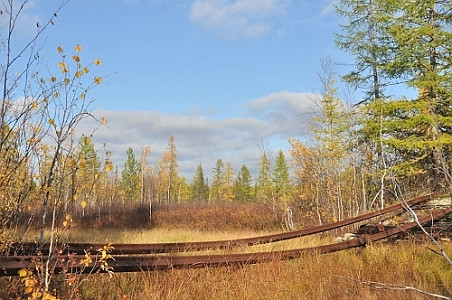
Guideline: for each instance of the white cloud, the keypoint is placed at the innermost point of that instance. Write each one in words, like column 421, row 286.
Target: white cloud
column 287, row 109
column 199, row 139
column 237, row 18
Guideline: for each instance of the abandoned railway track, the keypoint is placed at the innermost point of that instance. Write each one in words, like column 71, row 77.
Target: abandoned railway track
column 154, row 248
column 135, row 257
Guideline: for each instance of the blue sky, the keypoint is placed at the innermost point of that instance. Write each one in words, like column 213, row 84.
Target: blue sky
column 224, row 77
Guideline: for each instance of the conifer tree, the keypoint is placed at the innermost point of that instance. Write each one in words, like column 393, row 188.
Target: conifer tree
column 364, row 37
column 173, row 180
column 243, row 185
column 416, row 40
column 422, row 32
column 131, row 178
column 229, row 182
column 281, row 178
column 218, row 180
column 199, row 187
column 330, row 131
column 264, row 179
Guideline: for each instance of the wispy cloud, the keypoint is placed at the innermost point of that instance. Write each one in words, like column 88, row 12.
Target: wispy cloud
column 287, row 109
column 237, row 18
column 203, row 140
column 329, row 9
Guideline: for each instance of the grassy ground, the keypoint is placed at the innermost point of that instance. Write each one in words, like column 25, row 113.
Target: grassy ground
column 380, row 271
column 350, row 274
column 344, row 275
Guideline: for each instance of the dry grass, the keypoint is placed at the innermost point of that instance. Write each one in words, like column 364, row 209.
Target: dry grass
column 332, row 276
column 341, row 275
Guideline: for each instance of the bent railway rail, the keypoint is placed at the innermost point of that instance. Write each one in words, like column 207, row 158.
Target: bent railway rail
column 120, row 249
column 137, row 261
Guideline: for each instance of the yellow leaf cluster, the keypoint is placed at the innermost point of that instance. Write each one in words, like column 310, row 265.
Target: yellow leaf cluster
column 97, row 80
column 23, row 273
column 105, row 255
column 87, row 260
column 78, row 48
column 97, row 62
column 63, row 67
column 108, row 165
column 67, row 221
column 30, row 284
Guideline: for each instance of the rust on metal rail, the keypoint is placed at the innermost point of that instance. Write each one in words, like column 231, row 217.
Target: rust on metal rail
column 133, row 263
column 80, row 248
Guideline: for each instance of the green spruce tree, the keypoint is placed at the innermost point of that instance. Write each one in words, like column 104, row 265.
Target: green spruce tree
column 199, row 187
column 281, row 178
column 243, row 185
column 131, row 178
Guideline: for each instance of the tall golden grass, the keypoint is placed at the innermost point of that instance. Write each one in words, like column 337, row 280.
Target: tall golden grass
column 351, row 274
column 343, row 275
column 380, row 271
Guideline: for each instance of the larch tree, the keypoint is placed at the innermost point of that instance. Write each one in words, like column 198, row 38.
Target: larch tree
column 413, row 44
column 229, row 182
column 421, row 31
column 184, row 188
column 217, row 185
column 330, row 132
column 307, row 172
column 173, row 172
column 364, row 36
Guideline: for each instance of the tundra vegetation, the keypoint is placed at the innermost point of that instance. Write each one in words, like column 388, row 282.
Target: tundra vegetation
column 359, row 157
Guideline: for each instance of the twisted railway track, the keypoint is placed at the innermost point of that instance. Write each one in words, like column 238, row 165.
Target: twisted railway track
column 147, row 257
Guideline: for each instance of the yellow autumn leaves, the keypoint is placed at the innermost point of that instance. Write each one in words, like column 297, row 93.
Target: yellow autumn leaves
column 31, row 287
column 80, row 70
column 67, row 220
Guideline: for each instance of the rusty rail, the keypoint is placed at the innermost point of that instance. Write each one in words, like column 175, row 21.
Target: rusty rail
column 134, row 263
column 80, row 248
